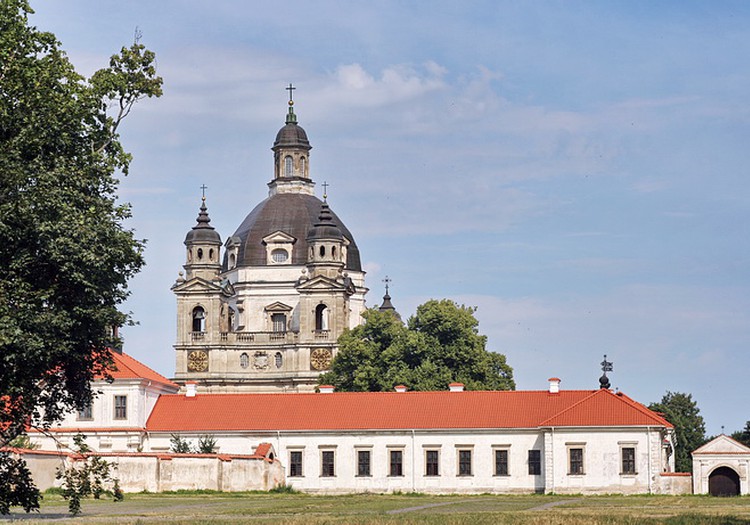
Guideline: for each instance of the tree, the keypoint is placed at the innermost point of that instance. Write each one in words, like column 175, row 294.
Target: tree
column 206, row 444
column 65, row 254
column 179, row 445
column 440, row 344
column 690, row 430
column 743, row 436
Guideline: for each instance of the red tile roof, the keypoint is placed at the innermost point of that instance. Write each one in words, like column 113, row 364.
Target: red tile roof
column 130, row 368
column 397, row 410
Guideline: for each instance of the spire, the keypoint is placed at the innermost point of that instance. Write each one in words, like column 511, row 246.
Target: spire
column 606, row 367
column 203, row 231
column 203, row 220
column 291, row 118
column 387, row 305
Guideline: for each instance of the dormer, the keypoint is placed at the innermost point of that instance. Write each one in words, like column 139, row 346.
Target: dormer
column 279, row 246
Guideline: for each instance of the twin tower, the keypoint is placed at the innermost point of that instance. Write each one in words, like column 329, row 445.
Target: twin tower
column 263, row 312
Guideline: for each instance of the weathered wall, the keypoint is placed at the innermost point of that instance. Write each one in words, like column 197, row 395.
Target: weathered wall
column 137, row 472
column 675, row 483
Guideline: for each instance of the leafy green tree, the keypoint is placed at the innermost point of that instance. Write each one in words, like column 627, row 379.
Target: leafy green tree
column 207, row 444
column 690, row 429
column 440, row 344
column 743, row 436
column 85, row 477
column 179, row 445
column 64, row 252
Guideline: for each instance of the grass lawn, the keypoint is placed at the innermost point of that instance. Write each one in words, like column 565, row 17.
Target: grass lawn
column 264, row 508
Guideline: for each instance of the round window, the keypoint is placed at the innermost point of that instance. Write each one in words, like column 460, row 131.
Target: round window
column 279, row 255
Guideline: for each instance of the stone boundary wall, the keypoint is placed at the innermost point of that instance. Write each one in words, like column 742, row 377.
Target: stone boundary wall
column 151, row 472
column 674, row 483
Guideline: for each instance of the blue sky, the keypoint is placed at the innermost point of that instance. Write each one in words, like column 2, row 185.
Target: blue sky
column 576, row 170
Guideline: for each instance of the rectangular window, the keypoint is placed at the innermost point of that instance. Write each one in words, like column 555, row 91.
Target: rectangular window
column 121, row 407
column 363, row 462
column 464, row 462
column 535, row 462
column 86, row 414
column 397, row 463
column 628, row 460
column 279, row 322
column 576, row 461
column 328, row 466
column 501, row 462
column 432, row 463
column 295, row 463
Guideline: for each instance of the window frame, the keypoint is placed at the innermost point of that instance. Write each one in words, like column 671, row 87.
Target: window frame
column 631, row 447
column 120, row 405
column 296, row 465
column 462, row 453
column 499, row 452
column 328, row 466
column 395, row 462
column 428, row 463
column 576, row 459
column 534, row 460
column 364, row 468
column 86, row 413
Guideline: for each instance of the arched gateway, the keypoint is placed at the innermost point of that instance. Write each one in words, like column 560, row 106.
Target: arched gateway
column 724, row 481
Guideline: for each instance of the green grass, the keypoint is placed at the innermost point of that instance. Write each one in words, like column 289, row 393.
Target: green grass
column 200, row 507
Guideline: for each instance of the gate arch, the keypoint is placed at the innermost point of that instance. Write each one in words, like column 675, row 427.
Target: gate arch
column 724, row 481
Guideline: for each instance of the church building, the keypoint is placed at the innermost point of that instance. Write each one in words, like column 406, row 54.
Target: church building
column 265, row 315
column 258, row 319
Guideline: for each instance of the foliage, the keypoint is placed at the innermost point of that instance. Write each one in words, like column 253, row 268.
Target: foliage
column 86, row 476
column 690, row 430
column 207, row 444
column 743, row 436
column 21, row 492
column 283, row 488
column 23, row 441
column 439, row 345
column 180, row 445
column 65, row 254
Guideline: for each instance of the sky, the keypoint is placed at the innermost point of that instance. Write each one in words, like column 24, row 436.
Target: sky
column 576, row 170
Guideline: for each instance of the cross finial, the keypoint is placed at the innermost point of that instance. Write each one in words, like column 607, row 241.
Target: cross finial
column 325, row 191
column 290, row 89
column 203, row 189
column 387, row 282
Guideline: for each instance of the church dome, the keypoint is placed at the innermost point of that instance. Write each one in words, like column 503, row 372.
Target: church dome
column 296, row 214
column 203, row 232
column 292, row 135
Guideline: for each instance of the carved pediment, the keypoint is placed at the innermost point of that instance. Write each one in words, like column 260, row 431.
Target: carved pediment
column 196, row 285
column 320, row 283
column 279, row 237
column 723, row 445
column 278, row 307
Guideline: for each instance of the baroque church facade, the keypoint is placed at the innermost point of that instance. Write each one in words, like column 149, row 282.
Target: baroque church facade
column 263, row 312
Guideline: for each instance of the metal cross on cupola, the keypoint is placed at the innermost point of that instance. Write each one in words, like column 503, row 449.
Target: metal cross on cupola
column 606, row 367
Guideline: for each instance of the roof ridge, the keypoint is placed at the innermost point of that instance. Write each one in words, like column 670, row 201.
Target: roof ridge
column 643, row 409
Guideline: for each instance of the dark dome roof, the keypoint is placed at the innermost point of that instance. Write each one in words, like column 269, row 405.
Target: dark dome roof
column 294, row 214
column 203, row 232
column 292, row 134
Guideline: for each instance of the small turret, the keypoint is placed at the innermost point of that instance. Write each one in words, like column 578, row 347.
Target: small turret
column 203, row 245
column 327, row 251
column 291, row 151
column 387, row 305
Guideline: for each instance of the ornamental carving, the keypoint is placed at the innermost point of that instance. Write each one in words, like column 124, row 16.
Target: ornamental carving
column 260, row 361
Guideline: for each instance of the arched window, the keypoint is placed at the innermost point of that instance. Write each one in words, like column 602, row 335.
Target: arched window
column 211, row 254
column 321, row 317
column 231, row 316
column 302, row 166
column 244, row 360
column 278, row 360
column 279, row 255
column 322, row 251
column 288, row 166
column 232, row 261
column 333, row 252
column 199, row 319
column 200, row 253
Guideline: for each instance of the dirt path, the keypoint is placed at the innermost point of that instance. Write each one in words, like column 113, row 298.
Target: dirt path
column 422, row 507
column 555, row 504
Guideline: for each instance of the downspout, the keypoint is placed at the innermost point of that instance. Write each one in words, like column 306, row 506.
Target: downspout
column 413, row 460
column 650, row 467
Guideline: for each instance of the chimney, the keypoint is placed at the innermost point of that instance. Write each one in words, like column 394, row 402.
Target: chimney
column 191, row 389
column 326, row 389
column 554, row 385
column 456, row 387
column 400, row 388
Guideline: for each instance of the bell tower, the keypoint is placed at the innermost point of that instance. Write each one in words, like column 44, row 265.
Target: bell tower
column 291, row 154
